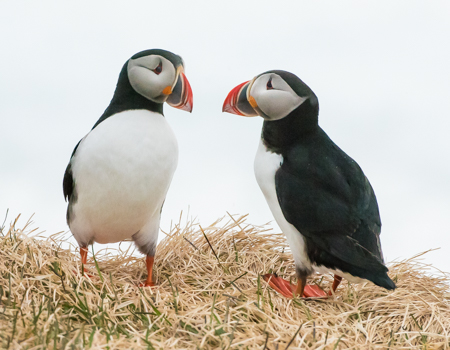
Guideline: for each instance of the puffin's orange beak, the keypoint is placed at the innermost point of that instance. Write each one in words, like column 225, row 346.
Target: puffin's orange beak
column 181, row 96
column 237, row 103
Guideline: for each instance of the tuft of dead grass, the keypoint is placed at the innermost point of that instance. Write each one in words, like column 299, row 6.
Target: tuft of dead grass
column 210, row 296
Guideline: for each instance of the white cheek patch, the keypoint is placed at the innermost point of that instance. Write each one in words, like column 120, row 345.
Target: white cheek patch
column 278, row 102
column 146, row 82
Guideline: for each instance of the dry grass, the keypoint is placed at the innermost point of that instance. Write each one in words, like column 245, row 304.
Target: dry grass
column 206, row 299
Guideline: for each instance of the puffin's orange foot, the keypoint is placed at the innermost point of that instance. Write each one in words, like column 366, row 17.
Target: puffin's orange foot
column 280, row 285
column 314, row 291
column 147, row 284
column 287, row 289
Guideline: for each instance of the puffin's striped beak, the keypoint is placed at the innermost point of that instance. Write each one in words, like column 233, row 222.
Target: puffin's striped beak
column 181, row 96
column 237, row 102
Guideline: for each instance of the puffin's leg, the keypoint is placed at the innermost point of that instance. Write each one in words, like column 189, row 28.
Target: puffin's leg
column 149, row 281
column 301, row 284
column 145, row 239
column 83, row 255
column 308, row 290
column 336, row 282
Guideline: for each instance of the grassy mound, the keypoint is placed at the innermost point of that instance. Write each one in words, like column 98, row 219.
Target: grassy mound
column 210, row 296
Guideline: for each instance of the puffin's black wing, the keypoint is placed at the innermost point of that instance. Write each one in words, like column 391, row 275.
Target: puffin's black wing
column 69, row 184
column 326, row 196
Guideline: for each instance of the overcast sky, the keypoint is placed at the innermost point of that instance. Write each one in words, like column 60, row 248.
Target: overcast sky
column 381, row 71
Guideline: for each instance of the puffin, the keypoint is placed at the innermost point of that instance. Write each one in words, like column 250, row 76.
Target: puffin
column 318, row 195
column 119, row 173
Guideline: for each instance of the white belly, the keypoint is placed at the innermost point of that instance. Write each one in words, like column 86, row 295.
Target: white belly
column 266, row 165
column 122, row 170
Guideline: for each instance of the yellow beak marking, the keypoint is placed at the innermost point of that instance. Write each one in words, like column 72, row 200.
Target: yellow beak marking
column 167, row 90
column 252, row 101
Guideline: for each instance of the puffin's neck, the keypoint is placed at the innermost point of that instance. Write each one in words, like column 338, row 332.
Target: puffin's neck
column 301, row 124
column 126, row 98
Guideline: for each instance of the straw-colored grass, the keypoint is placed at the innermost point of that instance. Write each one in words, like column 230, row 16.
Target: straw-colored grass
column 209, row 296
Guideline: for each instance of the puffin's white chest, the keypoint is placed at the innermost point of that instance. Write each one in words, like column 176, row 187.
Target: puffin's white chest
column 122, row 170
column 266, row 165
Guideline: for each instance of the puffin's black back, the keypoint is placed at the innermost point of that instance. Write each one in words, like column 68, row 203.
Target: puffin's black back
column 326, row 196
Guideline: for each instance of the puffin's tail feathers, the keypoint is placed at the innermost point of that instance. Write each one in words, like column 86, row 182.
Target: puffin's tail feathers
column 346, row 254
column 384, row 281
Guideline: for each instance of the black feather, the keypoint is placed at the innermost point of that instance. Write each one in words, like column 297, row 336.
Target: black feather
column 69, row 189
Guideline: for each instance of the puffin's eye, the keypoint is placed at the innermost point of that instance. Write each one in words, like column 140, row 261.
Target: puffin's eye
column 269, row 84
column 158, row 69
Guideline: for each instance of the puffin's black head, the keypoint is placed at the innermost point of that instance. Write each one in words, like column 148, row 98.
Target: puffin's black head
column 272, row 95
column 157, row 75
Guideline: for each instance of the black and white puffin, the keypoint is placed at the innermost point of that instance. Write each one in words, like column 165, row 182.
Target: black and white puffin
column 319, row 196
column 119, row 173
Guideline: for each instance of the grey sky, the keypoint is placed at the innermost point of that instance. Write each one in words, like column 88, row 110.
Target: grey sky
column 379, row 68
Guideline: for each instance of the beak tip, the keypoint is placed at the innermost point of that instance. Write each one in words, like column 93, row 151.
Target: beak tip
column 228, row 104
column 226, row 109
column 232, row 110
